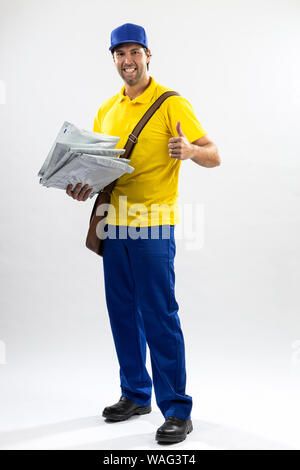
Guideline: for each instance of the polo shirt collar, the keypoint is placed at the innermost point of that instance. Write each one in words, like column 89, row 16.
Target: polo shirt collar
column 145, row 97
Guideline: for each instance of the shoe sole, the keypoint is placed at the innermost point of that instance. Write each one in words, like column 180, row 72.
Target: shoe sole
column 173, row 438
column 137, row 411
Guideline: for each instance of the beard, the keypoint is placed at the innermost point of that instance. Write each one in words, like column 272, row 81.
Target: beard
column 132, row 80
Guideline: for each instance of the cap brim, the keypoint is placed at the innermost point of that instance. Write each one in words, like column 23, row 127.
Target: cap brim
column 123, row 42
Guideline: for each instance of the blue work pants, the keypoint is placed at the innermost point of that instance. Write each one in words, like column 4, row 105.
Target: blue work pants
column 139, row 282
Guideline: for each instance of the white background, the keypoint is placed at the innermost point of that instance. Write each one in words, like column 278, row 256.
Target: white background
column 237, row 62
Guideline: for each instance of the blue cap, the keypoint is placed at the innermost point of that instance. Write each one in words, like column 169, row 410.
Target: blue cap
column 128, row 32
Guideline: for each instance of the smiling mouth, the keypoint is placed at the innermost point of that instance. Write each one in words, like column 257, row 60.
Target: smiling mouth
column 129, row 71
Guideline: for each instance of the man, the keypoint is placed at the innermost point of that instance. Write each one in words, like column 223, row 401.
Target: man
column 139, row 270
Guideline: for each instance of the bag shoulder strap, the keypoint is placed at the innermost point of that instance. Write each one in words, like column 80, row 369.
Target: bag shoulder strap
column 132, row 138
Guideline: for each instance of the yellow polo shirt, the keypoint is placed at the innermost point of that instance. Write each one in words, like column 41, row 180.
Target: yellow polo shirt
column 147, row 196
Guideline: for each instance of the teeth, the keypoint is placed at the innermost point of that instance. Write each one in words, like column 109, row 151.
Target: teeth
column 129, row 70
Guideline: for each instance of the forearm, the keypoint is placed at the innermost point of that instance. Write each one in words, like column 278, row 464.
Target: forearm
column 206, row 155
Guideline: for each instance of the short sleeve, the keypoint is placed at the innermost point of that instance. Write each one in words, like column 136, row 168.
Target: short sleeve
column 179, row 109
column 97, row 125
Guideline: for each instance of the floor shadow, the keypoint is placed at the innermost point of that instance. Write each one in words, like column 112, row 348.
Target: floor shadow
column 13, row 437
column 205, row 435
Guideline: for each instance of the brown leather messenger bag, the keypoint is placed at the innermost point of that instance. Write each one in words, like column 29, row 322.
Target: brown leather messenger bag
column 95, row 235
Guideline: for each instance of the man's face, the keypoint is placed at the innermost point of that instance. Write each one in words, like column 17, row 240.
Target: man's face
column 130, row 56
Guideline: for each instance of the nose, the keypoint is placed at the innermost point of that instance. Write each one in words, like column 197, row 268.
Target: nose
column 127, row 59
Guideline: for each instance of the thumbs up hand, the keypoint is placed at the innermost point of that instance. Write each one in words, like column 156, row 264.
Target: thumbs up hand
column 179, row 130
column 180, row 147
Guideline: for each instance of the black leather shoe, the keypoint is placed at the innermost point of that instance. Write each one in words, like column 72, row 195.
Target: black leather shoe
column 174, row 430
column 124, row 409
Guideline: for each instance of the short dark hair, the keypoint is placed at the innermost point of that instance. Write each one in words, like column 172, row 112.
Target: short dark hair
column 145, row 49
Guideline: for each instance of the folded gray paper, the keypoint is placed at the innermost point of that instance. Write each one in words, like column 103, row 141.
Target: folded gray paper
column 79, row 156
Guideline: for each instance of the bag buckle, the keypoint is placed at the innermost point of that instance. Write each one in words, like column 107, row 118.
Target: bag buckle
column 105, row 191
column 132, row 135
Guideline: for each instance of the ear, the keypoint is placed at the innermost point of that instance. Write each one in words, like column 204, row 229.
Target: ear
column 149, row 55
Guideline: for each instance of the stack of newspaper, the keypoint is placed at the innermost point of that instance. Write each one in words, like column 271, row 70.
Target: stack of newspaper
column 79, row 156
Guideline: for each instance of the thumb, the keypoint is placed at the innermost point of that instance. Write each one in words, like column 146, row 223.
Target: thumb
column 179, row 130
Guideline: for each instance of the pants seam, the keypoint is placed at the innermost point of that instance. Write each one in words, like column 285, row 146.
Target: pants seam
column 169, row 309
column 135, row 318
